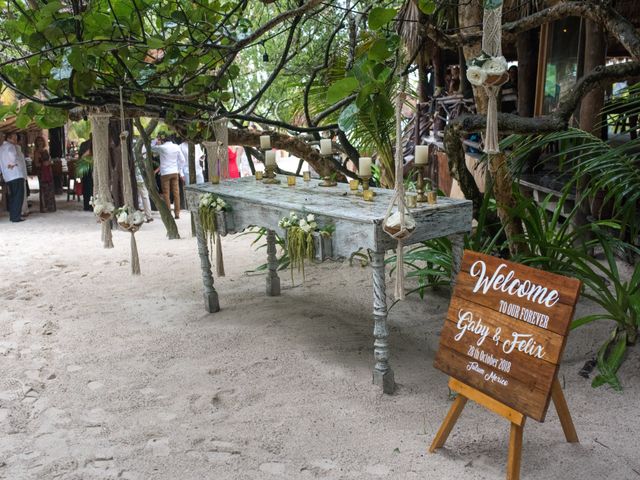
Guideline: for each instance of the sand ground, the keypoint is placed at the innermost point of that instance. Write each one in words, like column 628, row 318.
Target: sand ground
column 106, row 376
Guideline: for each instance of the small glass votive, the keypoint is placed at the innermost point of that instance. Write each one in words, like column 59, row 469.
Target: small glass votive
column 259, row 174
column 306, row 176
column 411, row 199
column 368, row 195
column 354, row 185
column 215, row 179
column 432, row 197
column 291, row 180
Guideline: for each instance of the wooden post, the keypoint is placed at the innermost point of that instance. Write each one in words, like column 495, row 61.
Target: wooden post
column 515, row 451
column 563, row 413
column 448, row 423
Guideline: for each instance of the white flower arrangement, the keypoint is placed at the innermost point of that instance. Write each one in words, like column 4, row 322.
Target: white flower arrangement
column 476, row 75
column 210, row 202
column 101, row 209
column 127, row 217
column 484, row 69
column 307, row 223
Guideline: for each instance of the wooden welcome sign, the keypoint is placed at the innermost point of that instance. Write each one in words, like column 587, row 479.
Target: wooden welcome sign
column 502, row 343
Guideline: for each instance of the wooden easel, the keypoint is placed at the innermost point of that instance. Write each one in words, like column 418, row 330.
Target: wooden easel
column 517, row 419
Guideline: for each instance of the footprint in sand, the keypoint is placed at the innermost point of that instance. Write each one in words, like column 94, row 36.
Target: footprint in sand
column 93, row 385
column 159, row 447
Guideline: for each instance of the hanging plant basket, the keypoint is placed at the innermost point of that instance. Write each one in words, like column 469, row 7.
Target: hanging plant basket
column 129, row 227
column 393, row 226
column 104, row 217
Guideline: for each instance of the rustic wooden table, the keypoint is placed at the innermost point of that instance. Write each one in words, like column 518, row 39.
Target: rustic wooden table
column 358, row 224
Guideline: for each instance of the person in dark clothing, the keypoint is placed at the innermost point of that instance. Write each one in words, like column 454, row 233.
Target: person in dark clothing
column 86, row 150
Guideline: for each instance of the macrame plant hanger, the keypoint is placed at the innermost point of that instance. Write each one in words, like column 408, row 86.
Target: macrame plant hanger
column 492, row 45
column 100, row 150
column 221, row 132
column 128, row 190
column 218, row 163
column 398, row 199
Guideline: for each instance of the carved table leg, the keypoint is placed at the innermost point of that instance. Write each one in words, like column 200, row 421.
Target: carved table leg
column 273, row 281
column 382, row 373
column 211, row 302
column 457, row 249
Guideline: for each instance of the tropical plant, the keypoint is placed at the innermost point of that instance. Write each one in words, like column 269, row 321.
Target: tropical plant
column 282, row 260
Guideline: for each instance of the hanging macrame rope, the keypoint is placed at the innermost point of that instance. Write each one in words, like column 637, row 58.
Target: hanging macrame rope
column 213, row 162
column 100, row 148
column 492, row 45
column 127, row 190
column 221, row 132
column 489, row 70
column 399, row 231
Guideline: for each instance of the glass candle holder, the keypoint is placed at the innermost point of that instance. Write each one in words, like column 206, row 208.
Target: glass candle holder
column 291, row 180
column 259, row 174
column 306, row 176
column 354, row 185
column 432, row 197
column 411, row 199
column 215, row 179
column 368, row 195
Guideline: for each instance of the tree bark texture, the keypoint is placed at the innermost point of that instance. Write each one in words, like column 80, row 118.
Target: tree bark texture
column 527, row 48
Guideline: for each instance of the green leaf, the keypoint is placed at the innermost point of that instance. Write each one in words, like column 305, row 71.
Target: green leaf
column 379, row 51
column 427, row 6
column 341, row 88
column 379, row 17
column 155, row 42
column 138, row 98
column 7, row 110
column 78, row 58
column 23, row 119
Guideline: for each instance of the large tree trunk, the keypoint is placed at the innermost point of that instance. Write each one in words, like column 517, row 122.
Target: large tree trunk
column 527, row 47
column 595, row 48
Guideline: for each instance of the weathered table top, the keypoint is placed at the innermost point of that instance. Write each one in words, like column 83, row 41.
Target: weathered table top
column 358, row 223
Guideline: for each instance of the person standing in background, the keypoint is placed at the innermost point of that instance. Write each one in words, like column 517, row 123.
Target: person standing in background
column 86, row 150
column 233, row 164
column 22, row 163
column 13, row 176
column 171, row 167
column 199, row 154
column 42, row 168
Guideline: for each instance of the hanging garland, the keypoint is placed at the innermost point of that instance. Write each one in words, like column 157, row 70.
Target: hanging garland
column 211, row 210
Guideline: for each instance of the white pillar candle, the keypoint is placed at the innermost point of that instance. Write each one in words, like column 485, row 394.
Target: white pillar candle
column 422, row 154
column 269, row 157
column 365, row 167
column 265, row 142
column 325, row 146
